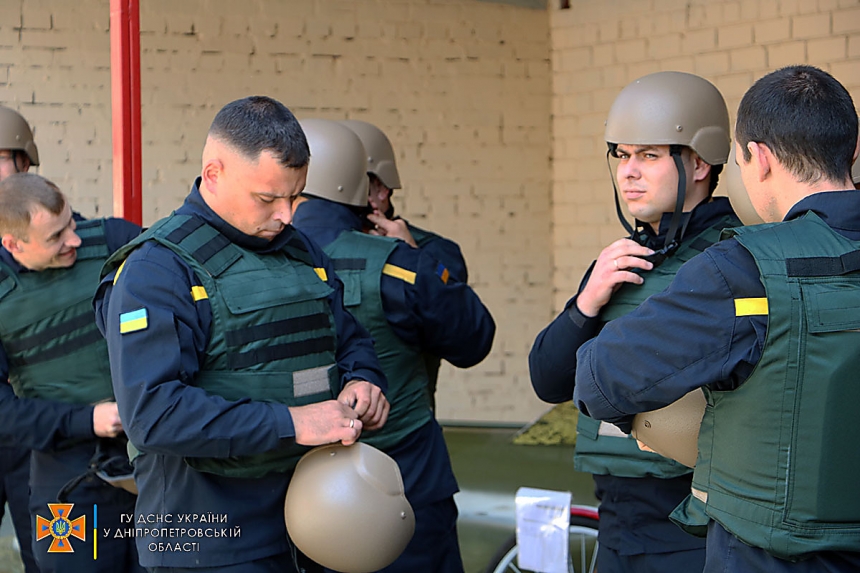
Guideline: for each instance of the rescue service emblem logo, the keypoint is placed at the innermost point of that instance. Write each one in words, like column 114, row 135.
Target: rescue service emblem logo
column 61, row 528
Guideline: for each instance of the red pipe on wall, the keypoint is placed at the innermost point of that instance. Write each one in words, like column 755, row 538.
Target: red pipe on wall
column 125, row 109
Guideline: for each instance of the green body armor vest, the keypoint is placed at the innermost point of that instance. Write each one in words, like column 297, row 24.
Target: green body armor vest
column 359, row 260
column 778, row 466
column 49, row 330
column 601, row 448
column 273, row 336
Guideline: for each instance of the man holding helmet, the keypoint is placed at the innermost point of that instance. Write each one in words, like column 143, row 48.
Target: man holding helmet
column 411, row 305
column 231, row 351
column 766, row 323
column 669, row 132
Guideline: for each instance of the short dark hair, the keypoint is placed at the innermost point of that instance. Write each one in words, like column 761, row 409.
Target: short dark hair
column 805, row 117
column 20, row 195
column 258, row 123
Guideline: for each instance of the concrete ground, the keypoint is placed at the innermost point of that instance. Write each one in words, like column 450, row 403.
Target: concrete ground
column 489, row 468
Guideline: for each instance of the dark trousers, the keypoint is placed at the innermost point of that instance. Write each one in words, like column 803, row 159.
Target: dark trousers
column 282, row 563
column 92, row 498
column 610, row 561
column 15, row 490
column 727, row 554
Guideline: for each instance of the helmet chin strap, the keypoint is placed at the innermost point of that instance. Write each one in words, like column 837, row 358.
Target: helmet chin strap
column 676, row 229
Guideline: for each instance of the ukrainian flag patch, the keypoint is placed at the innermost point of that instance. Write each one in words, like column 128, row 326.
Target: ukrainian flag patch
column 442, row 273
column 133, row 321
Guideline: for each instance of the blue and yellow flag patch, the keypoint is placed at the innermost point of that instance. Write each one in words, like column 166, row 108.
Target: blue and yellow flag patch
column 133, row 321
column 442, row 273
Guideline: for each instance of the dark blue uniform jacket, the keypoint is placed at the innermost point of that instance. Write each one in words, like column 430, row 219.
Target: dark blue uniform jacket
column 167, row 418
column 446, row 320
column 688, row 336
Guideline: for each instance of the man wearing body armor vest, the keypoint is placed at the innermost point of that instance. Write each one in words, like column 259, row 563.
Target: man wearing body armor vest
column 669, row 132
column 232, row 353
column 15, row 140
column 384, row 179
column 411, row 305
column 765, row 322
column 56, row 361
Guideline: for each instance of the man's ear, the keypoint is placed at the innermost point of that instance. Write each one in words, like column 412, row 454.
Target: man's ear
column 11, row 244
column 762, row 159
column 700, row 168
column 211, row 174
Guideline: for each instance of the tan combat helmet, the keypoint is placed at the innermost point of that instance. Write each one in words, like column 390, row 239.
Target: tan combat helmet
column 338, row 167
column 346, row 508
column 380, row 155
column 672, row 108
column 673, row 431
column 15, row 134
column 738, row 196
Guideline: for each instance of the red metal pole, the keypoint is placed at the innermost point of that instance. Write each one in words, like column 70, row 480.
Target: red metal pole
column 125, row 109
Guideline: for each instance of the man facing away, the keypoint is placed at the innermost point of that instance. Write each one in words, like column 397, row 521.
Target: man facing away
column 384, row 179
column 231, row 351
column 765, row 322
column 669, row 132
column 411, row 305
column 57, row 363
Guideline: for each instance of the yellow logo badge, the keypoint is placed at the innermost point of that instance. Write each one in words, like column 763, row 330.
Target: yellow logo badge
column 61, row 528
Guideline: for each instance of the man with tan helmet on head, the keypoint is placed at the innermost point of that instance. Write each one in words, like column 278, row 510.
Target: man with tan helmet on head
column 668, row 133
column 18, row 151
column 765, row 322
column 382, row 220
column 411, row 305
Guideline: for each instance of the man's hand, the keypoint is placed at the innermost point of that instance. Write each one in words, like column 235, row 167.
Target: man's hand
column 396, row 228
column 325, row 423
column 610, row 272
column 106, row 422
column 368, row 402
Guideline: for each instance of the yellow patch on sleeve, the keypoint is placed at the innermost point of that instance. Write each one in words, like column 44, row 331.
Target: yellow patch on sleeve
column 399, row 273
column 321, row 273
column 750, row 307
column 199, row 293
column 118, row 271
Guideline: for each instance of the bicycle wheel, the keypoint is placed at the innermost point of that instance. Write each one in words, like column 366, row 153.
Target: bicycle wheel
column 582, row 556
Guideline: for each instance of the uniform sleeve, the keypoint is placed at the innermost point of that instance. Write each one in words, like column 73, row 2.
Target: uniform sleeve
column 119, row 232
column 552, row 360
column 356, row 358
column 39, row 424
column 154, row 363
column 676, row 341
column 448, row 253
column 426, row 307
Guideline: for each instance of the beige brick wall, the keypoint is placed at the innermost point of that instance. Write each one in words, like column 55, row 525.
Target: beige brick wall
column 599, row 47
column 476, row 96
column 462, row 87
